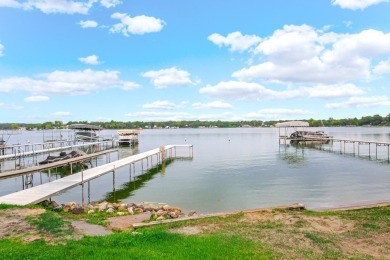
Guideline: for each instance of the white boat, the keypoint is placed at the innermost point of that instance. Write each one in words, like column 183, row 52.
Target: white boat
column 85, row 132
column 128, row 136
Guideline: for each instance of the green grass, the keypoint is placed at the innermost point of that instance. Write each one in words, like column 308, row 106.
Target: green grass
column 153, row 243
column 10, row 206
column 49, row 222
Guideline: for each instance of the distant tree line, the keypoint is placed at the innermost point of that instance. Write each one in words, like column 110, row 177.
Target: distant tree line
column 375, row 120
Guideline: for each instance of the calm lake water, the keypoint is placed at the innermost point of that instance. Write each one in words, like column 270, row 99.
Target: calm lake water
column 235, row 169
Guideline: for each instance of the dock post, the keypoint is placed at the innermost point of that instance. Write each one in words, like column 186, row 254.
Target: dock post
column 369, row 150
column 376, row 151
column 82, row 187
column 113, row 178
column 142, row 166
column 162, row 152
column 354, row 148
column 388, row 153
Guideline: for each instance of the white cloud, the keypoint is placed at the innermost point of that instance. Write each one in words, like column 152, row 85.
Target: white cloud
column 10, row 106
column 88, row 24
column 110, row 3
column 66, row 82
column 169, row 78
column 276, row 113
column 235, row 40
column 1, row 49
column 357, row 4
column 51, row 6
column 361, row 102
column 61, row 114
column 163, row 104
column 241, row 90
column 302, row 54
column 10, row 3
column 92, row 60
column 128, row 85
column 333, row 91
column 37, row 99
column 212, row 105
column 136, row 25
column 383, row 67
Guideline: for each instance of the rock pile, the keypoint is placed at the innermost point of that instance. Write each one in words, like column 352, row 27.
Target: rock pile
column 157, row 212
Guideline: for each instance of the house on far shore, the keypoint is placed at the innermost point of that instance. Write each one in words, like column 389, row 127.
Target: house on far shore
column 22, row 128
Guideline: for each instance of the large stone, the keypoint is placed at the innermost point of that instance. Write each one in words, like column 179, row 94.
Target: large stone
column 130, row 210
column 152, row 208
column 161, row 212
column 91, row 211
column 110, row 210
column 172, row 215
column 103, row 206
column 78, row 210
column 160, row 218
column 66, row 208
column 139, row 210
column 166, row 207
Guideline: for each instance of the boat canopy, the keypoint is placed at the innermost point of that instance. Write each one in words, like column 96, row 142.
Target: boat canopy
column 84, row 127
column 292, row 124
column 129, row 132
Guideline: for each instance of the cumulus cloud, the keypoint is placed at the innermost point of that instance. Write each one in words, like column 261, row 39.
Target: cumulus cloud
column 92, row 60
column 276, row 113
column 37, row 99
column 110, row 3
column 383, row 67
column 59, row 6
column 136, row 25
column 88, row 24
column 170, row 77
column 235, row 40
column 10, row 106
column 241, row 90
column 163, row 104
column 357, row 4
column 302, row 54
column 212, row 105
column 1, row 49
column 66, row 82
column 361, row 102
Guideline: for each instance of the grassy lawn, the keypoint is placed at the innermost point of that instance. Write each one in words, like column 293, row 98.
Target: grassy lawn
column 272, row 234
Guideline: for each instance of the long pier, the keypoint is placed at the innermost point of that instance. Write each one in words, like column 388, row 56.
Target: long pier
column 46, row 191
column 356, row 144
column 48, row 150
column 12, row 174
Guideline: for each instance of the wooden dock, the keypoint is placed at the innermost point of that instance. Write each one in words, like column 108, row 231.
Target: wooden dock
column 12, row 174
column 35, row 152
column 48, row 190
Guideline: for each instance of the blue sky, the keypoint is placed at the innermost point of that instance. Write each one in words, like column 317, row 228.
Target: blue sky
column 157, row 60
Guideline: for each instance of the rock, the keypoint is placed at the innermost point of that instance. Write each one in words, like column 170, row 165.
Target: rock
column 54, row 204
column 78, row 210
column 161, row 212
column 58, row 208
column 139, row 210
column 103, row 206
column 130, row 210
column 91, row 211
column 172, row 215
column 110, row 206
column 160, row 218
column 110, row 210
column 71, row 204
column 139, row 206
column 166, row 207
column 121, row 208
column 121, row 213
column 192, row 213
column 296, row 206
column 66, row 208
column 151, row 208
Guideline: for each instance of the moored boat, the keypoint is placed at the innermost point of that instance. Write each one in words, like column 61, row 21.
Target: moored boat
column 85, row 132
column 128, row 136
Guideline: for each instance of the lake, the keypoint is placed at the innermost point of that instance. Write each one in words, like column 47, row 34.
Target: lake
column 236, row 169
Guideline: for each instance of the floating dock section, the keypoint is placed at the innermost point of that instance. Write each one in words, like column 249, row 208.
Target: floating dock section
column 48, row 190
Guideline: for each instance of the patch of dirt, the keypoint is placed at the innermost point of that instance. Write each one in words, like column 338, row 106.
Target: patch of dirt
column 377, row 246
column 82, row 227
column 191, row 230
column 126, row 222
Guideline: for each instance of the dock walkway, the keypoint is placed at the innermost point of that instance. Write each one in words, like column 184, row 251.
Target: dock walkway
column 61, row 148
column 12, row 174
column 45, row 191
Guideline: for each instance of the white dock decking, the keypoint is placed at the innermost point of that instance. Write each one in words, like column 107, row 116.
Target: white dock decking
column 48, row 190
